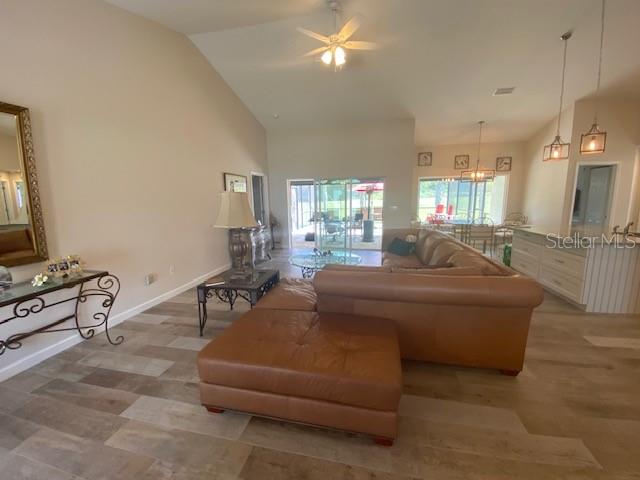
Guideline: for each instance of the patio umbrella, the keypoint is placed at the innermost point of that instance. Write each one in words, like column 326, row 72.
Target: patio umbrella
column 367, row 225
column 369, row 188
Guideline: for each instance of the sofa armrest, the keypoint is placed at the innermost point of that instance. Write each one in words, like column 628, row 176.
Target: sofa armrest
column 505, row 291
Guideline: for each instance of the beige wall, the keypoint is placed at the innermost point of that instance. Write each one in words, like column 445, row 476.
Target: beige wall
column 545, row 183
column 443, row 159
column 374, row 150
column 132, row 130
column 621, row 120
column 549, row 186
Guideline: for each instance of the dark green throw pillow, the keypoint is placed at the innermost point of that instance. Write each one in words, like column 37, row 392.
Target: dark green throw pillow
column 400, row 247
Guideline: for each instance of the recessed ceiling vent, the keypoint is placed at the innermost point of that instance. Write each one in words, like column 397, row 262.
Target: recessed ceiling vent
column 504, row 91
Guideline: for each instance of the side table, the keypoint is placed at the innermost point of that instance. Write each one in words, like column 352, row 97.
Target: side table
column 227, row 289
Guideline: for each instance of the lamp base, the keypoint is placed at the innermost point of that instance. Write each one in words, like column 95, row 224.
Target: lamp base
column 239, row 242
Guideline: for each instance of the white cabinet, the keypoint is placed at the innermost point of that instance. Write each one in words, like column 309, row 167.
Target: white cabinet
column 602, row 278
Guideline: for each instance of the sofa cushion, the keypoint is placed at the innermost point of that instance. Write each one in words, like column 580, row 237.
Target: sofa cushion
column 290, row 294
column 421, row 237
column 466, row 258
column 391, row 260
column 400, row 247
column 430, row 244
column 443, row 251
column 339, row 358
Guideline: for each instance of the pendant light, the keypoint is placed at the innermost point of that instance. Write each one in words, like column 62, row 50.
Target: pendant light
column 478, row 175
column 558, row 150
column 594, row 140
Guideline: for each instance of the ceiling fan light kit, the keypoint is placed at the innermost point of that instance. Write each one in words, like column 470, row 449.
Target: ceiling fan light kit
column 334, row 52
column 595, row 140
column 559, row 150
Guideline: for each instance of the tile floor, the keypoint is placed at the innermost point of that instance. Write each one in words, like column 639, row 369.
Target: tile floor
column 131, row 412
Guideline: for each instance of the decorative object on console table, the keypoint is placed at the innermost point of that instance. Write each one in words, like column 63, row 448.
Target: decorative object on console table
column 275, row 227
column 235, row 183
column 6, row 280
column 39, row 280
column 235, row 214
column 261, row 245
column 28, row 299
column 65, row 266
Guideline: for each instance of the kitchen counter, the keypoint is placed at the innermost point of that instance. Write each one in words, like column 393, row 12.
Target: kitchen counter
column 581, row 239
column 597, row 274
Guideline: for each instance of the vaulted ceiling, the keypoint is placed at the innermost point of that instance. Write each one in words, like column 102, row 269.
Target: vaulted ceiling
column 439, row 61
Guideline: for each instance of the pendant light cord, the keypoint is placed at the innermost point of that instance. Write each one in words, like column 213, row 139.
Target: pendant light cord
column 565, row 39
column 481, row 122
column 597, row 99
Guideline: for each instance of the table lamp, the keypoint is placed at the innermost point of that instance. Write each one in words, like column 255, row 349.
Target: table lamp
column 235, row 214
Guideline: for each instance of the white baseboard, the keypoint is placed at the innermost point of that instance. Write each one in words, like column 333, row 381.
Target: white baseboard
column 33, row 359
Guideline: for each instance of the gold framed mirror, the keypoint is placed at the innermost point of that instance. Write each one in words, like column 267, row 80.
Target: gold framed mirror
column 22, row 236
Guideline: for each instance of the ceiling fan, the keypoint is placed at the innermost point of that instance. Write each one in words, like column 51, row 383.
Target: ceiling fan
column 333, row 52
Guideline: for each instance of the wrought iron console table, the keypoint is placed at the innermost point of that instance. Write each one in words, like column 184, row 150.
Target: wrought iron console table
column 28, row 300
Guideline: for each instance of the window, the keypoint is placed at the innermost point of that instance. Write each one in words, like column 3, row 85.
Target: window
column 465, row 201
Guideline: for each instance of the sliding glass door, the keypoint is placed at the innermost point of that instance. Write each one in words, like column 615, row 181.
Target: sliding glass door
column 336, row 214
column 332, row 203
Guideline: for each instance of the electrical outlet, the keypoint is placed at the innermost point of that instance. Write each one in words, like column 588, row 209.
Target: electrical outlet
column 172, row 269
column 150, row 278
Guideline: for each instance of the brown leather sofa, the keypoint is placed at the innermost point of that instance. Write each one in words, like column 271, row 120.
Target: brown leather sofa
column 328, row 353
column 453, row 306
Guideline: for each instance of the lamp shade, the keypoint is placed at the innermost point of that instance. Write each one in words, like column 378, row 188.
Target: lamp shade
column 235, row 211
column 593, row 141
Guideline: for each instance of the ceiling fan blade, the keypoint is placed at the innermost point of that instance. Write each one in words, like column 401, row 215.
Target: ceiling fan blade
column 349, row 28
column 358, row 45
column 315, row 52
column 315, row 35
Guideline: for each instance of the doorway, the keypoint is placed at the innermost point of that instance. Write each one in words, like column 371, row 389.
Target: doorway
column 592, row 198
column 257, row 190
column 336, row 214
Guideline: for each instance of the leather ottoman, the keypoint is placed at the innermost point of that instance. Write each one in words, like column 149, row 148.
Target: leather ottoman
column 329, row 369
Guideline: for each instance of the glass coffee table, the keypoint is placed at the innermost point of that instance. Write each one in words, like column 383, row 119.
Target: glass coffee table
column 310, row 263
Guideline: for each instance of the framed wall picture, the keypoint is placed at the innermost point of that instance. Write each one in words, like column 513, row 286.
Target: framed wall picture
column 425, row 159
column 503, row 164
column 461, row 162
column 235, row 183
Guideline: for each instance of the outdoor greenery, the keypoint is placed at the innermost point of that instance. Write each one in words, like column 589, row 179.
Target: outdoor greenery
column 459, row 195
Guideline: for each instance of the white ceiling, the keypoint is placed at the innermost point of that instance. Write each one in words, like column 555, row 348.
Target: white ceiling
column 197, row 16
column 439, row 63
